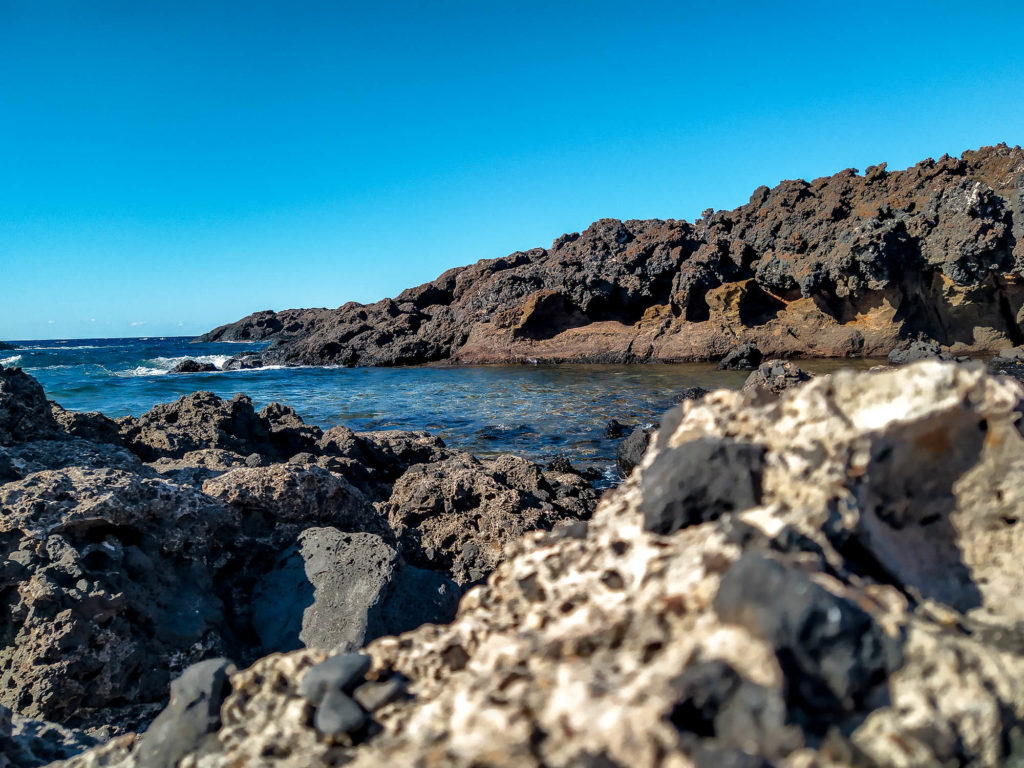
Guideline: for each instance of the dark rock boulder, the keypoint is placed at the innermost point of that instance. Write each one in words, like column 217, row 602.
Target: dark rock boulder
column 775, row 377
column 917, row 350
column 108, row 586
column 192, row 713
column 341, row 590
column 193, row 366
column 203, row 420
column 689, row 393
column 631, row 450
column 7, row 347
column 242, row 362
column 91, row 425
column 457, row 514
column 615, row 429
column 742, row 357
column 24, row 411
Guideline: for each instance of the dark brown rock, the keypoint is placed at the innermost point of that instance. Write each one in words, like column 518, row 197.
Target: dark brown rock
column 845, row 265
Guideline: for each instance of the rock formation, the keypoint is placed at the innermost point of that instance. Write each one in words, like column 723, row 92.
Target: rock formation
column 130, row 550
column 828, row 578
column 844, row 265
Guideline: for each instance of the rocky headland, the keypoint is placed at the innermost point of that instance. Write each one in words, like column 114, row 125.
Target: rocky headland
column 846, row 265
column 810, row 572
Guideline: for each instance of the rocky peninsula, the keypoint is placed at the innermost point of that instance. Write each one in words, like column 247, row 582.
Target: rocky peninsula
column 808, row 572
column 846, row 265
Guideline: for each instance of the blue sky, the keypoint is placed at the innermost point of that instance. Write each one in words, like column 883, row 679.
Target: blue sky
column 169, row 166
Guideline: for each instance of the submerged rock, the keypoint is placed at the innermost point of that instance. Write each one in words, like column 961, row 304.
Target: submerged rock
column 193, row 366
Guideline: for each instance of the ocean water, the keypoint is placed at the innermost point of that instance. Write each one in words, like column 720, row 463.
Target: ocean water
column 540, row 412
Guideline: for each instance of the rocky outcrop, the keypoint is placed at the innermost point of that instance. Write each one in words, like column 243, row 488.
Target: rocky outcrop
column 776, row 376
column 193, row 366
column 850, row 264
column 130, row 550
column 831, row 577
column 6, row 347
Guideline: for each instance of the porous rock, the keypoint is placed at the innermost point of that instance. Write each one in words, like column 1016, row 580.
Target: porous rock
column 775, row 376
column 835, row 621
column 341, row 590
column 24, row 411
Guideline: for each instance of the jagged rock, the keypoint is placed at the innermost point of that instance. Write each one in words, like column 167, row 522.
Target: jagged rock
column 193, row 366
column 92, row 425
column 456, row 515
column 341, row 590
column 863, row 609
column 243, row 362
column 917, row 350
column 193, row 712
column 24, row 411
column 850, row 264
column 57, row 451
column 203, row 420
column 689, row 393
column 108, row 587
column 289, row 493
column 742, row 357
column 631, row 450
column 616, row 429
column 27, row 742
column 775, row 376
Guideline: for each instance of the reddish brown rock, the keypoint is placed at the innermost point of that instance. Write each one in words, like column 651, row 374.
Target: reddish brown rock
column 845, row 265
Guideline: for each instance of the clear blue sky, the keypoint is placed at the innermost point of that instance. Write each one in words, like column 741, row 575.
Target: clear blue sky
column 169, row 166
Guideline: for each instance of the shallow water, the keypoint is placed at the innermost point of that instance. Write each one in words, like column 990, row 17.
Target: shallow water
column 540, row 412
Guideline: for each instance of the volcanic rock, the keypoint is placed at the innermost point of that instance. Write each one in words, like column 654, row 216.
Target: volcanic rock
column 917, row 350
column 631, row 450
column 775, row 376
column 193, row 366
column 846, row 265
column 24, row 411
column 341, row 590
column 6, row 347
column 742, row 357
column 859, row 606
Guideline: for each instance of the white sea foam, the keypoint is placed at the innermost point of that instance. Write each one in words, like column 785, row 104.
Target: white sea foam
column 167, row 363
column 62, row 348
column 10, row 360
column 141, row 370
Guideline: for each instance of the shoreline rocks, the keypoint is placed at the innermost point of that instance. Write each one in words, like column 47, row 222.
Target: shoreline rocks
column 132, row 549
column 830, row 577
column 849, row 265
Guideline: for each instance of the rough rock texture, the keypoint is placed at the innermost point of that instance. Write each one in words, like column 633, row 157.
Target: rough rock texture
column 193, row 366
column 859, row 605
column 849, row 264
column 457, row 515
column 130, row 550
column 24, row 411
column 776, row 376
column 742, row 357
column 341, row 590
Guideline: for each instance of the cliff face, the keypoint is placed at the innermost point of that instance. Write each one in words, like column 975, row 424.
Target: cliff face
column 843, row 265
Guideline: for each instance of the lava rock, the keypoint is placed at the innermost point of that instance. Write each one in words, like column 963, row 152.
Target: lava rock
column 742, row 357
column 917, row 350
column 615, row 429
column 630, row 452
column 699, row 481
column 775, row 376
column 193, row 712
column 24, row 411
column 194, row 367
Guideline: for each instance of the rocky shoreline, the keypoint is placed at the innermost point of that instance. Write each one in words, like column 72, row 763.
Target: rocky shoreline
column 809, row 572
column 846, row 265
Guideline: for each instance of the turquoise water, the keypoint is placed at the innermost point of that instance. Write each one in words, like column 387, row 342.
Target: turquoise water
column 540, row 412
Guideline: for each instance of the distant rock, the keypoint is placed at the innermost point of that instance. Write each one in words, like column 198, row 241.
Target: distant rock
column 742, row 357
column 5, row 347
column 775, row 376
column 242, row 362
column 853, row 264
column 192, row 366
column 918, row 350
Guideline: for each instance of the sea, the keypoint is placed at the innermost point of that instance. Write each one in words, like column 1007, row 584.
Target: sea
column 541, row 412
